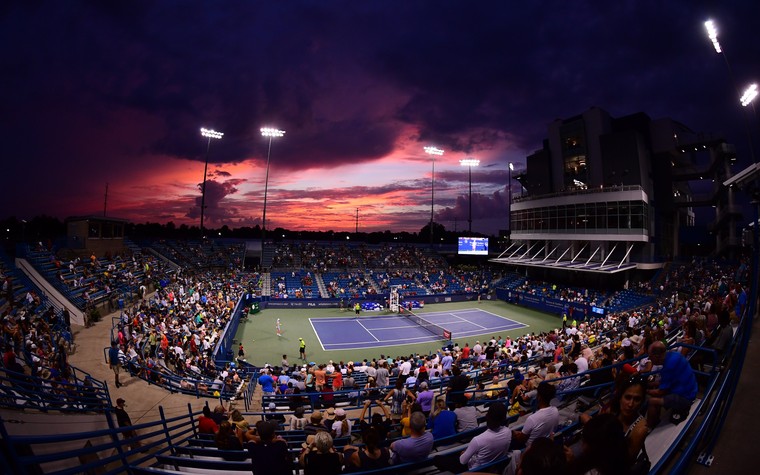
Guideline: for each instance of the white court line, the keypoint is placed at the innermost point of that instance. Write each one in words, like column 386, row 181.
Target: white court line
column 374, row 317
column 316, row 333
column 405, row 341
column 366, row 329
column 471, row 323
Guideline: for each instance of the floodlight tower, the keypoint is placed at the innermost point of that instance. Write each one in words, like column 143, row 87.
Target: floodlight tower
column 509, row 199
column 210, row 134
column 712, row 33
column 469, row 163
column 433, row 152
column 270, row 132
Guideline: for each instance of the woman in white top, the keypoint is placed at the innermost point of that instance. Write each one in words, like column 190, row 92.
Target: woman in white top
column 342, row 426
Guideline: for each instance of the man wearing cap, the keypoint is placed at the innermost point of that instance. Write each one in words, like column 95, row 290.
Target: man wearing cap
column 315, row 424
column 273, row 416
column 302, row 349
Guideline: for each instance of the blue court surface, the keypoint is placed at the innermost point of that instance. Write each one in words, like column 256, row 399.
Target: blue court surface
column 388, row 330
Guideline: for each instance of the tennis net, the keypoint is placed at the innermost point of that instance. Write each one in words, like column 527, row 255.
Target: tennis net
column 436, row 330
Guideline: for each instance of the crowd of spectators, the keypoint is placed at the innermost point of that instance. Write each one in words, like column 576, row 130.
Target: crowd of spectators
column 169, row 338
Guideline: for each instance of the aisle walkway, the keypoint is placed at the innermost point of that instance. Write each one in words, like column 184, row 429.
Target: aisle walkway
column 734, row 452
column 142, row 399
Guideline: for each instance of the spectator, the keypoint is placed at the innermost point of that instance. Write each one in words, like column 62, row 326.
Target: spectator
column 467, row 416
column 297, row 421
column 544, row 457
column 380, row 425
column 443, row 422
column 219, row 414
column 542, row 422
column 320, row 457
column 626, row 405
column 425, row 398
column 113, row 361
column 269, row 453
column 267, row 383
column 237, row 419
column 678, row 385
column 226, row 439
column 370, row 457
column 123, row 420
column 491, row 444
column 342, row 426
column 604, row 448
column 206, row 424
column 315, row 424
column 416, row 447
column 397, row 396
column 457, row 386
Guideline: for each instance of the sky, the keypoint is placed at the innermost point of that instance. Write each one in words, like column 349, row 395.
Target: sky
column 113, row 94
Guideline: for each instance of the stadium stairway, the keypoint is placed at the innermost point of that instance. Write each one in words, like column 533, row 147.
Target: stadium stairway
column 321, row 286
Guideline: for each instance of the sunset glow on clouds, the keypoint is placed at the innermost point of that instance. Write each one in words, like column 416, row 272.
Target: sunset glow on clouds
column 115, row 93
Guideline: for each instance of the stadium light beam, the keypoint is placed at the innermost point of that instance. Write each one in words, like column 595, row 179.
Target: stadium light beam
column 749, row 95
column 469, row 163
column 271, row 133
column 210, row 134
column 712, row 33
column 433, row 152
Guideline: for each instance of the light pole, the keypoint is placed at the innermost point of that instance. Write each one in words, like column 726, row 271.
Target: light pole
column 509, row 200
column 433, row 152
column 469, row 163
column 271, row 133
column 210, row 134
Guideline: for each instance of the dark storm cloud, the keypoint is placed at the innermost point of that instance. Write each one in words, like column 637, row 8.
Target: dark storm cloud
column 94, row 90
column 215, row 193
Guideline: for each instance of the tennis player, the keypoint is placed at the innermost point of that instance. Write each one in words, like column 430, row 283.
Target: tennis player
column 278, row 327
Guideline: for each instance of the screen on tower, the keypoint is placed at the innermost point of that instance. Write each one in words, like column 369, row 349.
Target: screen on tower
column 473, row 246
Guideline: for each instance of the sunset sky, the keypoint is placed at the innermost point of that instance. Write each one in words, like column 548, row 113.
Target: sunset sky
column 116, row 92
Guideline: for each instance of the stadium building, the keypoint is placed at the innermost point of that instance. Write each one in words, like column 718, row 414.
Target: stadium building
column 610, row 195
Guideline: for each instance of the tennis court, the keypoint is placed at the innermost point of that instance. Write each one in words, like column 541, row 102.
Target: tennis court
column 389, row 330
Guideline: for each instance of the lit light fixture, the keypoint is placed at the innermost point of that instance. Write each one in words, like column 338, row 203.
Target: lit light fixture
column 433, row 151
column 211, row 133
column 749, row 95
column 712, row 33
column 271, row 132
column 469, row 163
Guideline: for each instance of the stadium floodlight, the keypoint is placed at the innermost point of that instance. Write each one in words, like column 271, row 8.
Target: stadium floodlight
column 712, row 33
column 270, row 132
column 749, row 95
column 433, row 152
column 210, row 134
column 469, row 163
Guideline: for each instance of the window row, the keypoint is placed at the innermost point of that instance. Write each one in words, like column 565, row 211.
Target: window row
column 580, row 217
